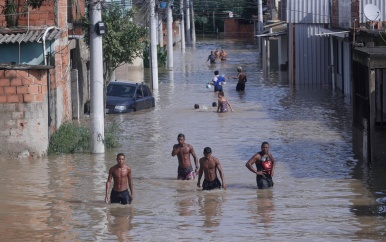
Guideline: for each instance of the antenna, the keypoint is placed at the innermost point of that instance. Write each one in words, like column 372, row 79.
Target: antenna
column 372, row 13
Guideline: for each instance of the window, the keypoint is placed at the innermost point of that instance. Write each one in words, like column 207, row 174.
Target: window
column 145, row 91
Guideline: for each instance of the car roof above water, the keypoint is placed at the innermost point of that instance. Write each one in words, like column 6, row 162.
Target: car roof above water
column 128, row 83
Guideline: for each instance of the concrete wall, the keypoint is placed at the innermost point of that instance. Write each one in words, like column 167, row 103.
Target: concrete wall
column 33, row 105
column 23, row 112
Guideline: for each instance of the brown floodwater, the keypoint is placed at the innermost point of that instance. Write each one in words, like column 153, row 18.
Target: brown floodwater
column 322, row 192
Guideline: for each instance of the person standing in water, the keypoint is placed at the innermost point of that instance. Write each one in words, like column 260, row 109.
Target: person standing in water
column 242, row 79
column 217, row 54
column 209, row 165
column 211, row 58
column 121, row 174
column 223, row 103
column 223, row 54
column 183, row 152
column 265, row 165
column 217, row 81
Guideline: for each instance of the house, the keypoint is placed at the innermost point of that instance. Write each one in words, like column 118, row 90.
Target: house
column 40, row 47
column 341, row 44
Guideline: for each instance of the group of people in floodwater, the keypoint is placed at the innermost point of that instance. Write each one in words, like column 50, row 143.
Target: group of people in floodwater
column 208, row 165
column 218, row 81
column 217, row 55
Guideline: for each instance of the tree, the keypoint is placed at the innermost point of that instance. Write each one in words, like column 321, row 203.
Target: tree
column 123, row 41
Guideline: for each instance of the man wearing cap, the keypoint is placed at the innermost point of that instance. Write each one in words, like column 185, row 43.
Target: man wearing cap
column 242, row 79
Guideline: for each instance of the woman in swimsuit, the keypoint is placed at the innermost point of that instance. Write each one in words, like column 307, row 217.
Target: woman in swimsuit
column 223, row 103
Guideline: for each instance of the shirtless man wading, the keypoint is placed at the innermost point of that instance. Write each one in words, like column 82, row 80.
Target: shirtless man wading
column 121, row 174
column 183, row 152
column 209, row 165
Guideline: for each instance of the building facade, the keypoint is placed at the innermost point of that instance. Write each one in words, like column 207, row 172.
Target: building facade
column 37, row 45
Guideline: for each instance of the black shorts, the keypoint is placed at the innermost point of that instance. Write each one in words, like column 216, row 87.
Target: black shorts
column 264, row 182
column 209, row 185
column 240, row 87
column 122, row 197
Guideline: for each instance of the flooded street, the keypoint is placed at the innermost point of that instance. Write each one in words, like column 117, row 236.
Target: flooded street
column 322, row 190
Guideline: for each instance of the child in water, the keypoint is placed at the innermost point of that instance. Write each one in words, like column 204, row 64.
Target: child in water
column 223, row 103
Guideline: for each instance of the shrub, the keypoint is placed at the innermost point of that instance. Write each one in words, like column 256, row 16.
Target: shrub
column 74, row 138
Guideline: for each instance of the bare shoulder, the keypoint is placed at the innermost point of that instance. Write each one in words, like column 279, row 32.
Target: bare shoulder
column 216, row 160
column 113, row 168
column 255, row 157
column 128, row 168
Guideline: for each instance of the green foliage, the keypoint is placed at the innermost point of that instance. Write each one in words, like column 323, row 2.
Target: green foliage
column 123, row 41
column 73, row 138
column 111, row 132
column 70, row 138
column 162, row 56
column 205, row 11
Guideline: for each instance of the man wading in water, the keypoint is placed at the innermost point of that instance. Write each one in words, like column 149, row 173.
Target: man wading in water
column 209, row 165
column 183, row 152
column 121, row 174
column 265, row 165
column 242, row 79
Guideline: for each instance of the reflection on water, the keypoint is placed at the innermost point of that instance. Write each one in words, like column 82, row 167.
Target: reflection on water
column 120, row 222
column 211, row 203
column 322, row 191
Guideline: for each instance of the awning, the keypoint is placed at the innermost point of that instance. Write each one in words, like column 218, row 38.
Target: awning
column 273, row 34
column 337, row 33
column 24, row 35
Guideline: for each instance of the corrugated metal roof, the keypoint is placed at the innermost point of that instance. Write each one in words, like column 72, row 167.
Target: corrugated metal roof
column 25, row 36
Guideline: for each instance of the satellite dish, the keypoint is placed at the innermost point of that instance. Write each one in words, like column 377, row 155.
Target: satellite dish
column 372, row 12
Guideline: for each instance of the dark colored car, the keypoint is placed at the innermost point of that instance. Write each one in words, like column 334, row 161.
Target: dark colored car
column 123, row 97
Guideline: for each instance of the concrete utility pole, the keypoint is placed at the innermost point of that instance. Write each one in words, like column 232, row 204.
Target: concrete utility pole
column 188, row 38
column 169, row 43
column 182, row 27
column 97, row 109
column 260, row 16
column 153, row 45
column 193, row 25
column 160, row 30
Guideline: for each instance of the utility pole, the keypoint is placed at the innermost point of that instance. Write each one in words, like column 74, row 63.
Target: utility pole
column 96, row 85
column 153, row 45
column 160, row 29
column 188, row 38
column 169, row 43
column 260, row 26
column 260, row 17
column 193, row 23
column 182, row 27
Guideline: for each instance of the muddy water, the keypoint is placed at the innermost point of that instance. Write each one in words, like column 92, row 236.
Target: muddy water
column 322, row 191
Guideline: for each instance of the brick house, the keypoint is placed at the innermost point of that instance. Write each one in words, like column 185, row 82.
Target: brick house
column 38, row 47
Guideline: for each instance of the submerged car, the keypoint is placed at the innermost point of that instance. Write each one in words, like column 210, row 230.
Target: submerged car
column 123, row 97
